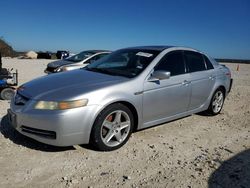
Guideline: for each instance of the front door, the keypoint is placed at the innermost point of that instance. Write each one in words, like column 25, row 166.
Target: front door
column 169, row 97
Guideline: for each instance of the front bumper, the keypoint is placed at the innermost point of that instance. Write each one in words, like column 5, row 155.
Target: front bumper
column 48, row 72
column 58, row 128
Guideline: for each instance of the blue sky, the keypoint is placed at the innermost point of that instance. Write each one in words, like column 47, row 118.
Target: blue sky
column 220, row 28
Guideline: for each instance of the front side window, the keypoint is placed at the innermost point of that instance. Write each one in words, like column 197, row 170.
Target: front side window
column 126, row 62
column 195, row 61
column 172, row 62
column 99, row 56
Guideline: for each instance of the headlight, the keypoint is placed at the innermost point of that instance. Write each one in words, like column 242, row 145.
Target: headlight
column 63, row 105
column 65, row 69
column 59, row 69
column 62, row 69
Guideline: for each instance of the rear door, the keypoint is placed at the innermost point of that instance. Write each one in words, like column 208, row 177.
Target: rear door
column 201, row 76
column 165, row 98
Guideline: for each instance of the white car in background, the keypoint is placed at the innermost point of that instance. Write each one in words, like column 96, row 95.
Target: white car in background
column 76, row 61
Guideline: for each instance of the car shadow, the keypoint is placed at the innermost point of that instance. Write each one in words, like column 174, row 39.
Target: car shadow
column 10, row 133
column 234, row 172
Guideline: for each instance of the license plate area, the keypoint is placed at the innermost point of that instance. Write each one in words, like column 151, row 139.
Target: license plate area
column 12, row 118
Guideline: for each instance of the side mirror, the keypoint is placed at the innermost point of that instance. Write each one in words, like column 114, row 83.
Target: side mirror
column 159, row 75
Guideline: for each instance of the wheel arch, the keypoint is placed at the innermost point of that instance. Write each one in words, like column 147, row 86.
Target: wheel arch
column 127, row 104
column 223, row 89
column 133, row 110
column 93, row 139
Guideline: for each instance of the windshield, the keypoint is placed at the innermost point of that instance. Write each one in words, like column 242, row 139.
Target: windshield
column 81, row 56
column 126, row 62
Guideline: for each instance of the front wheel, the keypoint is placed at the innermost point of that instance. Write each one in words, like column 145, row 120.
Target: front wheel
column 112, row 127
column 217, row 102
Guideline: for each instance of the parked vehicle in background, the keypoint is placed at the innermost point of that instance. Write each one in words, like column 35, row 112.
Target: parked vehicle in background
column 44, row 55
column 8, row 81
column 130, row 89
column 62, row 54
column 1, row 61
column 76, row 61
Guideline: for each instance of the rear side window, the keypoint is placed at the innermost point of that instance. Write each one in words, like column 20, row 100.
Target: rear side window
column 172, row 62
column 100, row 56
column 95, row 58
column 195, row 61
column 208, row 63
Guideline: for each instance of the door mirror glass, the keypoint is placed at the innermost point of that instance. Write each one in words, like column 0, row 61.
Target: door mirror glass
column 159, row 75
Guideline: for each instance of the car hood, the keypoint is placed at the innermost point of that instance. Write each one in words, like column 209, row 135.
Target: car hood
column 69, row 85
column 59, row 63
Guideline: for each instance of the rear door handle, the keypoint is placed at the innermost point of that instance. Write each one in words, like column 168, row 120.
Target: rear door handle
column 211, row 77
column 185, row 82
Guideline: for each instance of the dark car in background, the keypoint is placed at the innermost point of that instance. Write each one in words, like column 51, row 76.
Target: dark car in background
column 62, row 54
column 76, row 61
column 44, row 55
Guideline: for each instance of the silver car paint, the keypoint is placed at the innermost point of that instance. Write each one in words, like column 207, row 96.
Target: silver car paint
column 74, row 126
column 72, row 65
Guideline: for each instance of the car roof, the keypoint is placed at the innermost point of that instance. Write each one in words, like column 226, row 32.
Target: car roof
column 157, row 48
column 96, row 51
column 162, row 48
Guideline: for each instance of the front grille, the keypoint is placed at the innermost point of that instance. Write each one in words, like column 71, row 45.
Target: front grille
column 20, row 99
column 39, row 132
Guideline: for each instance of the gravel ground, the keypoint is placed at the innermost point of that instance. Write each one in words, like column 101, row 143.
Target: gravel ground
column 196, row 151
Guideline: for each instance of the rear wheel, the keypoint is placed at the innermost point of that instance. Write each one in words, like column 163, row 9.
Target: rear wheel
column 7, row 93
column 217, row 102
column 112, row 127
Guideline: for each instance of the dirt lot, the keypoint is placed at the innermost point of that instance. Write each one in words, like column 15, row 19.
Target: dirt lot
column 197, row 151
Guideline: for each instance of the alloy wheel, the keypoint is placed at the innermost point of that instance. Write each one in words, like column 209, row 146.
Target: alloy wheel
column 217, row 101
column 115, row 128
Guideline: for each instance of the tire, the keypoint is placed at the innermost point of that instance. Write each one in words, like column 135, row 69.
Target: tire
column 7, row 93
column 216, row 103
column 112, row 127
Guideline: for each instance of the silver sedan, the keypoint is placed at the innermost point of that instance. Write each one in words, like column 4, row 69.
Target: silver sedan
column 131, row 89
